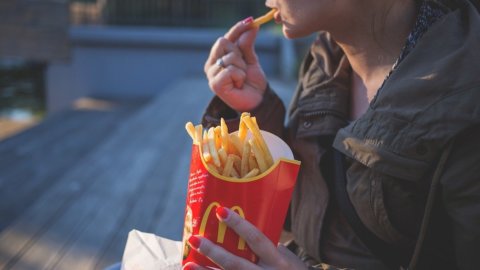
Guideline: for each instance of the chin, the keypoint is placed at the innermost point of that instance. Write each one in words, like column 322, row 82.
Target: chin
column 292, row 34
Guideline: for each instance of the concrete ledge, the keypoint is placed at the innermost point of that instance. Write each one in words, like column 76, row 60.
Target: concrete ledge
column 139, row 62
column 157, row 37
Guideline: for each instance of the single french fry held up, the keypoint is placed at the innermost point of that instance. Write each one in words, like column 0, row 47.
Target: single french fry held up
column 265, row 18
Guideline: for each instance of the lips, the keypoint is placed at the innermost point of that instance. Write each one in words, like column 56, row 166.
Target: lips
column 277, row 17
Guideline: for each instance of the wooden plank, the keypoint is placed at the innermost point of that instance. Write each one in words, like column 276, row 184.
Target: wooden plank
column 117, row 170
column 15, row 150
column 156, row 193
column 49, row 206
column 9, row 128
column 168, row 138
column 55, row 238
column 45, row 162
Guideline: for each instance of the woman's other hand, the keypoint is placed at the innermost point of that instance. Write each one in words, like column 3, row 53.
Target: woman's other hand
column 270, row 256
column 233, row 71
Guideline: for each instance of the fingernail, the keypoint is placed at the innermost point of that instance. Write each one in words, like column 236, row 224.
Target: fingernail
column 248, row 20
column 222, row 212
column 194, row 241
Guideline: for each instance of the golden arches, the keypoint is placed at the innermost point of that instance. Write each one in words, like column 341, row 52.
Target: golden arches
column 222, row 227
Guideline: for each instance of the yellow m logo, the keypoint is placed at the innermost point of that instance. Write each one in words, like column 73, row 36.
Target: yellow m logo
column 222, row 227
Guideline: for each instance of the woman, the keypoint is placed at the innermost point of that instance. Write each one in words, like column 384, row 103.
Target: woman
column 385, row 121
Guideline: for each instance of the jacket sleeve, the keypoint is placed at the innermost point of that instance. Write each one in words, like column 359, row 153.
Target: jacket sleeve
column 461, row 197
column 270, row 114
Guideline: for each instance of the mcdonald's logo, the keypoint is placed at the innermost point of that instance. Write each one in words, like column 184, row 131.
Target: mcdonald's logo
column 222, row 227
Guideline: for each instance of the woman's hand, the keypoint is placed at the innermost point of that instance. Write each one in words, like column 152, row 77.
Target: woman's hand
column 270, row 257
column 233, row 71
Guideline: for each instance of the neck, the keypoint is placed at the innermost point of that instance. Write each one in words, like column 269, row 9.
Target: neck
column 375, row 38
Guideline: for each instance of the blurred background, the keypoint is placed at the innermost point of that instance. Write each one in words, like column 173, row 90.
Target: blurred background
column 94, row 95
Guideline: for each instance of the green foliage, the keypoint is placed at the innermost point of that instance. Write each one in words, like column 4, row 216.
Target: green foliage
column 22, row 86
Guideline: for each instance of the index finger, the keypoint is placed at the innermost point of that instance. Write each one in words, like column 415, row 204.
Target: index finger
column 238, row 29
column 256, row 240
column 218, row 254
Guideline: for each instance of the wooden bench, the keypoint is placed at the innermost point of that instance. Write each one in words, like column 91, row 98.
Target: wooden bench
column 72, row 187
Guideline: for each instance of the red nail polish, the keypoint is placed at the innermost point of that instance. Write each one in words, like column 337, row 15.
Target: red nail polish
column 194, row 241
column 222, row 212
column 248, row 20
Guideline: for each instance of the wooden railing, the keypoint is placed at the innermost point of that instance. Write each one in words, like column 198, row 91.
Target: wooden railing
column 181, row 13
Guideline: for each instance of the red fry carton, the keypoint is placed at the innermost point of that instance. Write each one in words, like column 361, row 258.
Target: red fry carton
column 262, row 200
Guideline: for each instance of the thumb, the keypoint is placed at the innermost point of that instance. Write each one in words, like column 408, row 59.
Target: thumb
column 246, row 43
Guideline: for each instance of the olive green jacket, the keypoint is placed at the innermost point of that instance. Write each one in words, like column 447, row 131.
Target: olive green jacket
column 431, row 98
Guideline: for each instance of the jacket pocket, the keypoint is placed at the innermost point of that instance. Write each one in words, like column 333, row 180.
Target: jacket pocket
column 390, row 207
column 309, row 121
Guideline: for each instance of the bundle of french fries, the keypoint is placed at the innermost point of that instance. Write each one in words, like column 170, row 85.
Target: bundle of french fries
column 233, row 155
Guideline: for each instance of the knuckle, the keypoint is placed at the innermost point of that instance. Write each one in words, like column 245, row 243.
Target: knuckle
column 222, row 42
column 228, row 57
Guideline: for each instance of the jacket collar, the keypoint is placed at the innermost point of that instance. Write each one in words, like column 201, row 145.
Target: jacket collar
column 322, row 98
column 432, row 96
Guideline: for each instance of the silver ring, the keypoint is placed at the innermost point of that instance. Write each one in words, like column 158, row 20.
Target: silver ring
column 220, row 63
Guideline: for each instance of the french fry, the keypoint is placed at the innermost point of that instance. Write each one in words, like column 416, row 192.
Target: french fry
column 224, row 134
column 227, row 170
column 252, row 173
column 205, row 148
column 245, row 156
column 218, row 137
column 213, row 147
column 232, row 155
column 198, row 134
column 236, row 142
column 252, row 162
column 242, row 128
column 254, row 121
column 212, row 168
column 191, row 131
column 237, row 162
column 259, row 139
column 231, row 148
column 234, row 173
column 265, row 18
column 257, row 151
column 223, row 155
